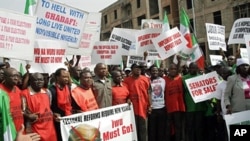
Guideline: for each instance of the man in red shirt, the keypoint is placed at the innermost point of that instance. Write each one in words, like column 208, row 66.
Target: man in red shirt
column 38, row 113
column 11, row 78
column 83, row 98
column 120, row 93
column 139, row 86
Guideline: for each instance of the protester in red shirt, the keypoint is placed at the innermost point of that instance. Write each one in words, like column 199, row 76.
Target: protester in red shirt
column 11, row 78
column 120, row 92
column 83, row 96
column 139, row 86
column 174, row 97
column 38, row 114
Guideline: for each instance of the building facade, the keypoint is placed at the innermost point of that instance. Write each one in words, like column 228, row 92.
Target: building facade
column 129, row 13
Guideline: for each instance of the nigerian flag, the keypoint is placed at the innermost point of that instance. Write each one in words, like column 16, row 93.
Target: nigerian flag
column 7, row 127
column 29, row 7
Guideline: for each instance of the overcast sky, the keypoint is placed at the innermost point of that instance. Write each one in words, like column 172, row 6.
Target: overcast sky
column 86, row 5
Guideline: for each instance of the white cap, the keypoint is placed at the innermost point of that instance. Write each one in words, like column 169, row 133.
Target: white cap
column 127, row 69
column 241, row 61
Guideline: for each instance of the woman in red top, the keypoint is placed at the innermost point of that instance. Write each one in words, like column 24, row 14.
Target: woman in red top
column 38, row 113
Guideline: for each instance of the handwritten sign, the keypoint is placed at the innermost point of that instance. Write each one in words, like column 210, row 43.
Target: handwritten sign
column 169, row 43
column 216, row 36
column 16, row 35
column 49, row 55
column 107, row 52
column 144, row 39
column 90, row 35
column 239, row 29
column 59, row 22
column 134, row 60
column 203, row 87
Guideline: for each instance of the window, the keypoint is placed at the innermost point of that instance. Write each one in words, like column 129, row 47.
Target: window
column 189, row 4
column 191, row 25
column 154, row 7
column 105, row 19
column 140, row 18
column 217, row 17
column 127, row 24
column 167, row 9
column 115, row 14
column 138, row 3
column 241, row 11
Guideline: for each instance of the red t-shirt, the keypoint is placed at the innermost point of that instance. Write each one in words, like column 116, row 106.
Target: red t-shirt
column 85, row 99
column 119, row 94
column 174, row 95
column 138, row 94
column 15, row 105
column 40, row 103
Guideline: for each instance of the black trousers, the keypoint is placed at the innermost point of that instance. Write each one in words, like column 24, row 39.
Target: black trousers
column 176, row 122
column 157, row 125
column 141, row 128
column 194, row 126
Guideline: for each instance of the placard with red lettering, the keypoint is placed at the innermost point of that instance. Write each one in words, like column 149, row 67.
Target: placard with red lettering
column 240, row 28
column 125, row 38
column 151, row 23
column 49, row 55
column 169, row 43
column 91, row 34
column 107, row 52
column 59, row 22
column 203, row 87
column 115, row 123
column 216, row 36
column 247, row 41
column 16, row 35
column 144, row 39
column 134, row 59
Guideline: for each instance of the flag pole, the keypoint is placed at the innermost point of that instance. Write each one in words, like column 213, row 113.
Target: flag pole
column 193, row 11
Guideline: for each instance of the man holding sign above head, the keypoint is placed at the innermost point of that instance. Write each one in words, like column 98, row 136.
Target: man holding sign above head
column 139, row 94
column 195, row 112
column 82, row 96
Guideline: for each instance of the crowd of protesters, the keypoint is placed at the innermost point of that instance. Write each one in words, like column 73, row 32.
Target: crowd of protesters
column 163, row 107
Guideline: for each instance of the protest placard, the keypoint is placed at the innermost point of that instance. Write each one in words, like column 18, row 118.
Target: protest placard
column 153, row 55
column 169, row 43
column 85, row 61
column 216, row 36
column 125, row 38
column 215, row 59
column 90, row 35
column 185, row 55
column 239, row 29
column 49, row 55
column 247, row 41
column 107, row 52
column 17, row 35
column 244, row 54
column 133, row 59
column 151, row 23
column 106, row 124
column 59, row 22
column 203, row 87
column 239, row 118
column 143, row 39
